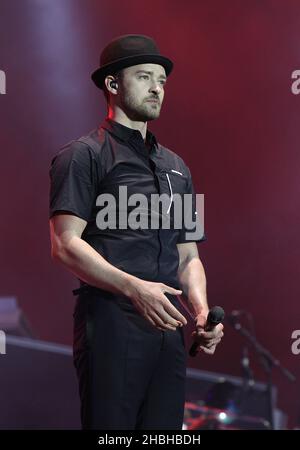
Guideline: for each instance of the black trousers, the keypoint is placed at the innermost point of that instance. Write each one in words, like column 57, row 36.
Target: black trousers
column 131, row 375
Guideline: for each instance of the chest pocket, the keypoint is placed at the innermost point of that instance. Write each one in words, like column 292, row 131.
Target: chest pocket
column 172, row 182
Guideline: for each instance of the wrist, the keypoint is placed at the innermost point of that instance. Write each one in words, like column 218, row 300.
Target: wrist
column 129, row 285
column 198, row 302
column 202, row 311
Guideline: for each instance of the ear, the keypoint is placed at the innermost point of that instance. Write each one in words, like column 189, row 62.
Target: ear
column 111, row 84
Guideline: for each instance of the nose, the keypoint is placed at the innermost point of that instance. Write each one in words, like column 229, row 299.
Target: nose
column 155, row 87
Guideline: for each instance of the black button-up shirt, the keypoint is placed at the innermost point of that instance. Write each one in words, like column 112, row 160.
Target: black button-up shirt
column 109, row 157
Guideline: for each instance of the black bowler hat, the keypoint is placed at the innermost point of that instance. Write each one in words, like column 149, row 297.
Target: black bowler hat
column 128, row 50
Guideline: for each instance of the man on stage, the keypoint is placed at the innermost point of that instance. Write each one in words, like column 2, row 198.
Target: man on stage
column 129, row 349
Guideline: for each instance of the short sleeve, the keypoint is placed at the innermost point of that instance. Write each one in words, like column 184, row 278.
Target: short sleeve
column 74, row 181
column 193, row 215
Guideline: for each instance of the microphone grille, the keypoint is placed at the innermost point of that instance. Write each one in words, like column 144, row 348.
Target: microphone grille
column 216, row 315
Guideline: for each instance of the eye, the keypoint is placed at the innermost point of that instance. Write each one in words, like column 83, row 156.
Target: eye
column 144, row 76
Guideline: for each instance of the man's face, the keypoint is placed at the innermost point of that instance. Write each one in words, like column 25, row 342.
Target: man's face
column 142, row 91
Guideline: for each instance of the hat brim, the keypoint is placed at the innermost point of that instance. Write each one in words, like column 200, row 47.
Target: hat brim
column 99, row 75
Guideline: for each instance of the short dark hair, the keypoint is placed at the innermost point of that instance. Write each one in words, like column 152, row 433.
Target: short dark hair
column 117, row 75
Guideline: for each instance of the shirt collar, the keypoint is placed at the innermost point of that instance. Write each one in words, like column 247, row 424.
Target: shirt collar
column 129, row 135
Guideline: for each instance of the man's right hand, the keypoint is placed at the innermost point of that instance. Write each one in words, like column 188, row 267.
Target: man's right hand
column 149, row 299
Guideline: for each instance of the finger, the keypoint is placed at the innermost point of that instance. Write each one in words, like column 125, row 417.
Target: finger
column 197, row 334
column 202, row 337
column 153, row 323
column 208, row 342
column 214, row 343
column 165, row 317
column 164, row 323
column 211, row 334
column 173, row 312
column 199, row 337
column 171, row 290
column 208, row 351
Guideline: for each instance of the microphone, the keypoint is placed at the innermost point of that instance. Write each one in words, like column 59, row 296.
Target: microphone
column 215, row 316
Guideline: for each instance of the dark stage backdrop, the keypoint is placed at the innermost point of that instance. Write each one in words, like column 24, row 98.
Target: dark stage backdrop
column 229, row 112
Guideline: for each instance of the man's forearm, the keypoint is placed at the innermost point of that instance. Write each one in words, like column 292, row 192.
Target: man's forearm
column 89, row 266
column 192, row 278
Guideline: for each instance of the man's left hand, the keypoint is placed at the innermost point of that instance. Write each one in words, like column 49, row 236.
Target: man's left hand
column 208, row 340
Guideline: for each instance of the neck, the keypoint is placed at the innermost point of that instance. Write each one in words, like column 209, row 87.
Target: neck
column 118, row 115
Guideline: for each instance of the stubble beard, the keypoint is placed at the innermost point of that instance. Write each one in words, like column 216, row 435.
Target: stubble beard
column 140, row 111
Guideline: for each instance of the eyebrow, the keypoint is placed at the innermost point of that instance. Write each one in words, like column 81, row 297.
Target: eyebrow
column 151, row 73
